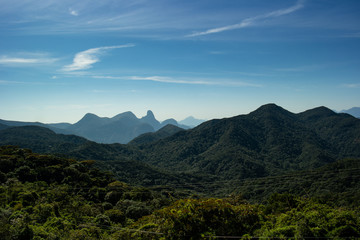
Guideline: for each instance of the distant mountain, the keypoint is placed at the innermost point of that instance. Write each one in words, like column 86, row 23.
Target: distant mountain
column 19, row 124
column 150, row 119
column 162, row 133
column 191, row 121
column 121, row 128
column 355, row 111
column 53, row 127
column 59, row 125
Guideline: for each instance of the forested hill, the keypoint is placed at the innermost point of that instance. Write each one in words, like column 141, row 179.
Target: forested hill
column 162, row 133
column 122, row 160
column 268, row 141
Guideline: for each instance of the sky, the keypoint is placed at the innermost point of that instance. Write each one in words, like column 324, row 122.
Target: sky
column 204, row 58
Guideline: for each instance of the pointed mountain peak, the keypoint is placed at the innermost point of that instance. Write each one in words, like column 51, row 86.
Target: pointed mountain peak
column 150, row 119
column 150, row 114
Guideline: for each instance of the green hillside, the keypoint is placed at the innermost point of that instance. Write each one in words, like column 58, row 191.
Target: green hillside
column 162, row 133
column 48, row 197
column 268, row 141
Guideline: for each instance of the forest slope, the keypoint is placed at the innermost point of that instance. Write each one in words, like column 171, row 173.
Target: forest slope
column 268, row 141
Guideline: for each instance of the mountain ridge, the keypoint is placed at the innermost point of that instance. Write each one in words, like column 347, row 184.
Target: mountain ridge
column 162, row 133
column 266, row 142
column 121, row 128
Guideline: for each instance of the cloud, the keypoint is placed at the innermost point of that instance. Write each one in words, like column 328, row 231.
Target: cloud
column 352, row 85
column 29, row 58
column 73, row 12
column 253, row 20
column 5, row 82
column 10, row 60
column 85, row 59
column 188, row 81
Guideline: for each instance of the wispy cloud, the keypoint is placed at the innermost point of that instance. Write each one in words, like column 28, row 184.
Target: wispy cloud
column 351, row 35
column 26, row 59
column 352, row 85
column 11, row 60
column 187, row 81
column 6, row 82
column 252, row 20
column 217, row 52
column 85, row 59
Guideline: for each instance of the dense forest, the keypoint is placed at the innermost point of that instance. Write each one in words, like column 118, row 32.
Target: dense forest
column 49, row 197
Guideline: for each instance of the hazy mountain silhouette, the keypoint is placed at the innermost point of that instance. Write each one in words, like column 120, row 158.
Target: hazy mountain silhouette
column 355, row 111
column 191, row 121
column 150, row 119
column 20, row 124
column 121, row 128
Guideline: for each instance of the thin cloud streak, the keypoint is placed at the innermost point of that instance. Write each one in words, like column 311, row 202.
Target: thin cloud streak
column 170, row 80
column 252, row 21
column 352, row 85
column 5, row 60
column 5, row 82
column 85, row 59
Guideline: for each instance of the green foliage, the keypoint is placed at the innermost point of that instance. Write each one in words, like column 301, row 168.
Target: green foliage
column 194, row 219
column 48, row 197
column 309, row 219
column 285, row 217
column 77, row 201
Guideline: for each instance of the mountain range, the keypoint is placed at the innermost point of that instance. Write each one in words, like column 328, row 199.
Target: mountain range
column 269, row 141
column 121, row 128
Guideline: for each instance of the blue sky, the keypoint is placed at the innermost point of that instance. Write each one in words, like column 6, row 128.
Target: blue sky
column 205, row 58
